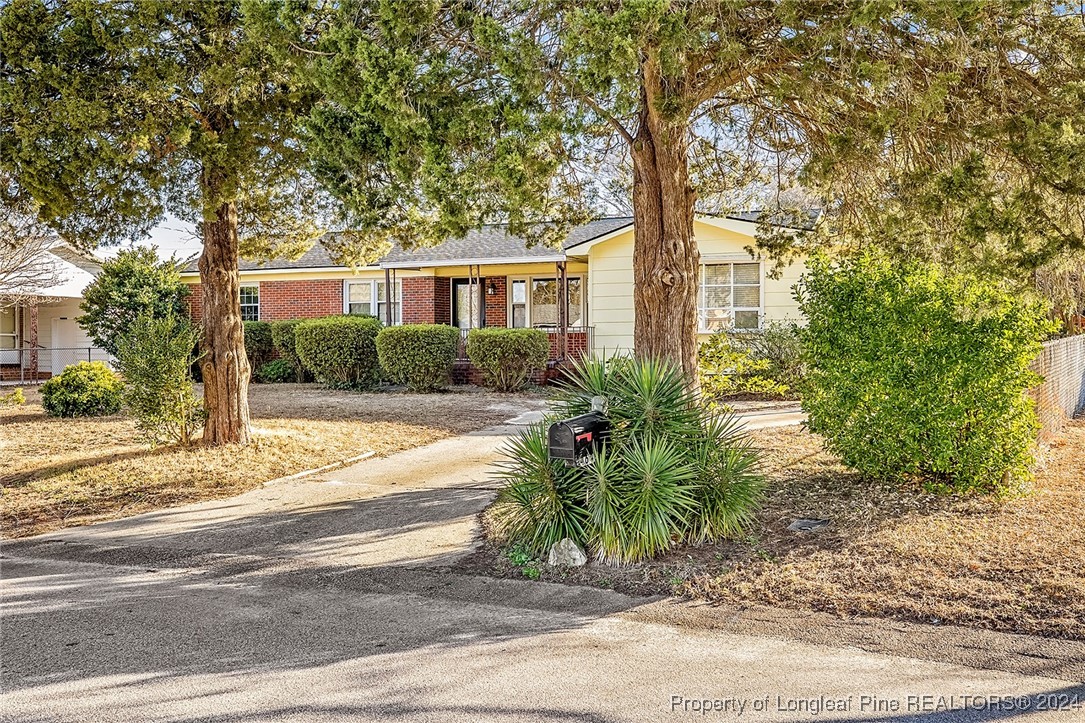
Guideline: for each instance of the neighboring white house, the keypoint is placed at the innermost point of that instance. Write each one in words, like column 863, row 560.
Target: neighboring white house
column 39, row 335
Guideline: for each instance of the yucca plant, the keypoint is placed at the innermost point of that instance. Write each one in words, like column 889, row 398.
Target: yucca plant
column 541, row 501
column 729, row 485
column 671, row 472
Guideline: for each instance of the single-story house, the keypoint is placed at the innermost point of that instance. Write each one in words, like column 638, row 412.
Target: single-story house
column 491, row 278
column 39, row 335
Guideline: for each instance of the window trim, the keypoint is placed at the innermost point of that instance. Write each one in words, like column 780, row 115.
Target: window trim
column 731, row 260
column 250, row 285
column 529, row 279
column 374, row 305
column 16, row 333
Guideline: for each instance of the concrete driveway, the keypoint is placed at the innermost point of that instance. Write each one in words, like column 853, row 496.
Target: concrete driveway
column 330, row 598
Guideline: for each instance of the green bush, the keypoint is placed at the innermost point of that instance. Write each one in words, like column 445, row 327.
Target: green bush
column 507, row 357
column 14, row 398
column 133, row 284
column 418, row 355
column 919, row 373
column 671, row 472
column 340, row 351
column 765, row 363
column 276, row 371
column 156, row 357
column 258, row 344
column 86, row 389
column 282, row 338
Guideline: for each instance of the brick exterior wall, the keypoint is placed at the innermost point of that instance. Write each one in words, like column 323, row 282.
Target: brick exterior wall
column 427, row 300
column 496, row 303
column 1061, row 396
column 195, row 311
column 286, row 300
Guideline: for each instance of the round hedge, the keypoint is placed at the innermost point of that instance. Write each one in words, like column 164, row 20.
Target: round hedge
column 507, row 357
column 418, row 355
column 282, row 338
column 86, row 389
column 340, row 351
column 258, row 346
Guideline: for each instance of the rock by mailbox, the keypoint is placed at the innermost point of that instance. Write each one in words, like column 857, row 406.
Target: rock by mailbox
column 573, row 440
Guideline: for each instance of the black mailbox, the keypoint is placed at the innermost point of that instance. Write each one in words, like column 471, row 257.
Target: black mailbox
column 573, row 440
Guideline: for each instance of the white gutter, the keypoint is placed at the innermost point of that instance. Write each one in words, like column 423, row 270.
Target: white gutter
column 494, row 261
column 303, row 270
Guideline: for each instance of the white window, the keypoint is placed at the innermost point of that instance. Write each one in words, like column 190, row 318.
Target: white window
column 250, row 303
column 534, row 302
column 370, row 298
column 9, row 327
column 730, row 296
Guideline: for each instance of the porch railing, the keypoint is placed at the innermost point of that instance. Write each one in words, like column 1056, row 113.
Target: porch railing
column 27, row 365
column 579, row 342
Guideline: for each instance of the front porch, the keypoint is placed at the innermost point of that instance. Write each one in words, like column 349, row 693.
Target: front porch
column 39, row 337
column 551, row 297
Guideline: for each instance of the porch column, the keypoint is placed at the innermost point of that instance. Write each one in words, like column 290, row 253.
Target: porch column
column 33, row 341
column 387, row 297
column 563, row 311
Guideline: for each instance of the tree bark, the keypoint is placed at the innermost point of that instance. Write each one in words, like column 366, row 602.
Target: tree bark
column 666, row 262
column 224, row 365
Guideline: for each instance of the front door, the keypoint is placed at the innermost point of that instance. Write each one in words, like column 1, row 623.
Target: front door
column 468, row 311
column 64, row 336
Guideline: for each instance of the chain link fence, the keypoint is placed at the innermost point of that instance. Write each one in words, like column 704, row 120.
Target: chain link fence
column 1061, row 396
column 29, row 366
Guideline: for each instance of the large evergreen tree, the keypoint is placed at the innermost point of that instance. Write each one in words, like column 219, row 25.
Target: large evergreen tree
column 438, row 116
column 115, row 113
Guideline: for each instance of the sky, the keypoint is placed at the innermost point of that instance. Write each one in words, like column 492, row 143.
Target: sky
column 172, row 236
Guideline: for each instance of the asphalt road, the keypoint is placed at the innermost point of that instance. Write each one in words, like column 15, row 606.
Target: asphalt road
column 330, row 598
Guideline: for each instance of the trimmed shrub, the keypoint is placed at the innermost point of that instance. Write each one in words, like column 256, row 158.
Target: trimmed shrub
column 340, row 351
column 282, row 338
column 156, row 356
column 276, row 371
column 86, row 389
column 920, row 373
column 418, row 355
column 258, row 345
column 670, row 472
column 507, row 357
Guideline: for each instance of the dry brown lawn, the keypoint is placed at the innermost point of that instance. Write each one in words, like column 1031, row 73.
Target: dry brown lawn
column 1015, row 565
column 58, row 473
column 1012, row 564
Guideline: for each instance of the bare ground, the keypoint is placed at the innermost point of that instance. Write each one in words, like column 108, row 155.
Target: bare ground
column 1013, row 565
column 64, row 472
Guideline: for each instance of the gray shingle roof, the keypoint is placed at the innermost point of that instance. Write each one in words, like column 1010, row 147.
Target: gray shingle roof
column 488, row 244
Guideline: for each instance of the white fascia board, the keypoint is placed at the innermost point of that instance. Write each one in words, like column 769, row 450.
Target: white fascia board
column 583, row 246
column 436, row 264
column 306, row 270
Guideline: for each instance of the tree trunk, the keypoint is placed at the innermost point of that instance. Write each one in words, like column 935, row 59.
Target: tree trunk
column 225, row 366
column 666, row 262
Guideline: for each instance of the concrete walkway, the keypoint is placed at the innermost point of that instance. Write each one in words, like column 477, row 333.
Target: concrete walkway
column 329, row 598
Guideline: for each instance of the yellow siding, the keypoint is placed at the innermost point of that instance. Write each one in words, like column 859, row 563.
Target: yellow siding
column 610, row 282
